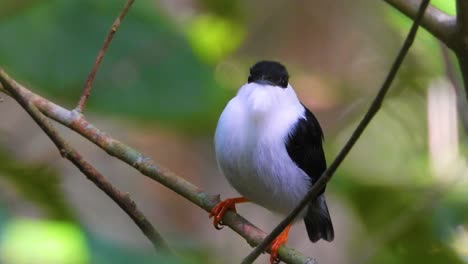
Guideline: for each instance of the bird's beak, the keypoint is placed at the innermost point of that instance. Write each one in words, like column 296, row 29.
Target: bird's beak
column 265, row 82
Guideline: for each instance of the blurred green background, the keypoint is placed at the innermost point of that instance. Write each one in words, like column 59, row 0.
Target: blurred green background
column 401, row 196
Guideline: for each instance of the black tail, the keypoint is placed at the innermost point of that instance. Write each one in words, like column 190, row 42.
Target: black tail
column 318, row 222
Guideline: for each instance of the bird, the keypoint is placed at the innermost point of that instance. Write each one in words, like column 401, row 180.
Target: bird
column 269, row 147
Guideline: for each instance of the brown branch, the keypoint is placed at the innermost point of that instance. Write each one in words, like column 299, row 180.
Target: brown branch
column 438, row 23
column 76, row 121
column 123, row 200
column 462, row 18
column 462, row 41
column 89, row 81
column 450, row 30
column 327, row 175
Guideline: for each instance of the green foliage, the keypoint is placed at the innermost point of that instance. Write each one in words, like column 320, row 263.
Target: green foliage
column 225, row 8
column 36, row 241
column 406, row 223
column 424, row 44
column 38, row 183
column 105, row 251
column 446, row 6
column 387, row 180
column 149, row 72
column 213, row 37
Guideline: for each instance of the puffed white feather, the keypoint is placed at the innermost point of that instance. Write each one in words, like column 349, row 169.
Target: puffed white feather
column 250, row 146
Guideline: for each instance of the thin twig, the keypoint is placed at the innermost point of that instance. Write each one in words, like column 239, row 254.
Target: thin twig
column 89, row 81
column 326, row 176
column 122, row 199
column 438, row 23
column 76, row 121
column 462, row 104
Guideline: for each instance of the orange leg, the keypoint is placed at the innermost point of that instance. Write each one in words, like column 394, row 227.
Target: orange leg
column 220, row 209
column 277, row 243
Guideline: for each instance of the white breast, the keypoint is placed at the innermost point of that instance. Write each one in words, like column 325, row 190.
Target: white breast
column 250, row 146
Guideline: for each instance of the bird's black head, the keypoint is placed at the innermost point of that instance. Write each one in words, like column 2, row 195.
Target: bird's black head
column 269, row 72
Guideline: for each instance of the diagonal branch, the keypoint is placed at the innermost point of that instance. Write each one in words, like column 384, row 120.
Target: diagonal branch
column 326, row 176
column 75, row 121
column 438, row 23
column 462, row 17
column 462, row 38
column 89, row 81
column 123, row 200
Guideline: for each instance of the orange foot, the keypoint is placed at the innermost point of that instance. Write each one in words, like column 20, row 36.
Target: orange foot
column 277, row 243
column 220, row 209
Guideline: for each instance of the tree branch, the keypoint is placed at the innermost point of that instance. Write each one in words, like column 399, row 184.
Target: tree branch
column 438, row 23
column 326, row 176
column 123, row 200
column 76, row 121
column 89, row 81
column 462, row 38
column 462, row 17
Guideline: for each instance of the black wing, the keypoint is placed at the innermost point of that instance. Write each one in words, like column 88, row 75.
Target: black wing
column 304, row 146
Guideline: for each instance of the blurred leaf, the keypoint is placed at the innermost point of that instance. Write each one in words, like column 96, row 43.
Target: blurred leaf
column 106, row 251
column 368, row 199
column 394, row 145
column 39, row 241
column 416, row 246
column 424, row 45
column 451, row 212
column 37, row 183
column 10, row 8
column 380, row 207
column 149, row 72
column 225, row 8
column 446, row 6
column 212, row 37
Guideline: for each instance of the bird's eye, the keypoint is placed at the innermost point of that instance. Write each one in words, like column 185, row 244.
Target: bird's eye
column 283, row 83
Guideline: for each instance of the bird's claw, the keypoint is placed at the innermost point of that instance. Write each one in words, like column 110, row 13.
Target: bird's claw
column 277, row 243
column 274, row 252
column 218, row 225
column 220, row 209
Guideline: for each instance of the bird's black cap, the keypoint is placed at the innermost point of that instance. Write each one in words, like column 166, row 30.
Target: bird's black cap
column 269, row 72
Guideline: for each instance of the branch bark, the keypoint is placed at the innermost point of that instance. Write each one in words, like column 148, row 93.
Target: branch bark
column 123, row 200
column 462, row 18
column 438, row 23
column 462, row 40
column 328, row 174
column 76, row 121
